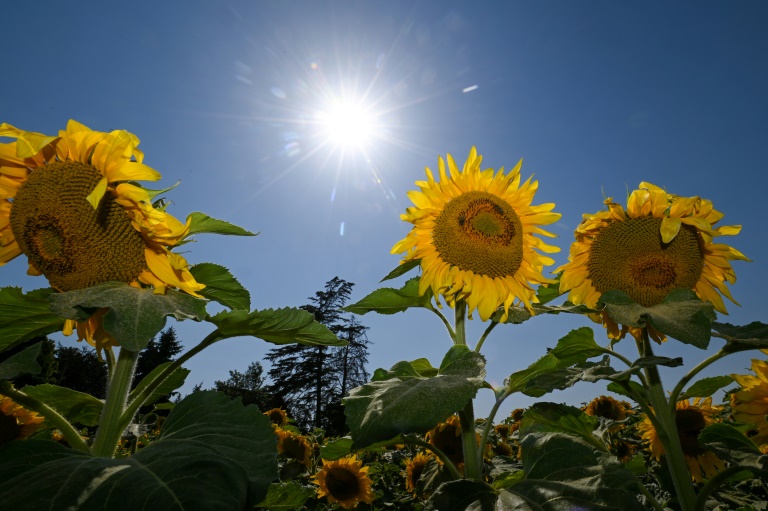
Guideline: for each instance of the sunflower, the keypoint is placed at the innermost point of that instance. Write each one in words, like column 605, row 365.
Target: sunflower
column 344, row 481
column 690, row 419
column 661, row 242
column 413, row 469
column 474, row 233
column 294, row 446
column 608, row 408
column 277, row 416
column 750, row 403
column 16, row 422
column 446, row 436
column 517, row 414
column 71, row 205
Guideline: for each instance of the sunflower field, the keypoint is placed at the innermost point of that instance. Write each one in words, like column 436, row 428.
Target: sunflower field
column 650, row 270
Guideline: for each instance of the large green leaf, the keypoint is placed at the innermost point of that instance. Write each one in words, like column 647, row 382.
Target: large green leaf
column 390, row 301
column 462, row 495
column 24, row 362
column 135, row 316
column 200, row 223
column 24, row 316
column 577, row 346
column 552, row 417
column 172, row 382
column 564, row 377
column 548, row 292
column 753, row 336
column 213, row 454
column 78, row 407
column 381, row 410
column 681, row 315
column 221, row 286
column 733, row 446
column 278, row 326
column 705, row 387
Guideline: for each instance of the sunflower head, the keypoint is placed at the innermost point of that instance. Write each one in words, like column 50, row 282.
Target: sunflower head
column 517, row 415
column 475, row 233
column 344, row 481
column 608, row 408
column 446, row 436
column 277, row 416
column 750, row 403
column 16, row 422
column 70, row 204
column 294, row 446
column 413, row 469
column 690, row 420
column 659, row 243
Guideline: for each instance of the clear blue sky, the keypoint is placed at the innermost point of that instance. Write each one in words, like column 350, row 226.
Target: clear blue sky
column 596, row 96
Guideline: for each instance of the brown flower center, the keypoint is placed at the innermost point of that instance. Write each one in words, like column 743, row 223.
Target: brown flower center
column 342, row 483
column 631, row 257
column 690, row 422
column 72, row 244
column 448, row 440
column 481, row 233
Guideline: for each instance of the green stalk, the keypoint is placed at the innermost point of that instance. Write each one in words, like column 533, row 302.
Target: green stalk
column 667, row 431
column 715, row 483
column 472, row 467
column 460, row 332
column 444, row 320
column 484, row 336
column 111, row 425
column 489, row 422
column 52, row 417
column 693, row 372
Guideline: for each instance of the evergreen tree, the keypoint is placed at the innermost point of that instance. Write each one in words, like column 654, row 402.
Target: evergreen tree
column 80, row 369
column 312, row 379
column 156, row 353
column 249, row 386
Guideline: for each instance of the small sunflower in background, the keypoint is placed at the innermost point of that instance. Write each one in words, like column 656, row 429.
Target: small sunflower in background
column 70, row 203
column 16, row 422
column 659, row 243
column 414, row 467
column 475, row 233
column 344, row 481
column 690, row 419
column 277, row 416
column 750, row 403
column 608, row 408
column 446, row 436
column 294, row 446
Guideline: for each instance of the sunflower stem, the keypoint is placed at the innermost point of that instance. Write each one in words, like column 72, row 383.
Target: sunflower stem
column 444, row 320
column 715, row 483
column 673, row 397
column 111, row 426
column 667, row 431
column 460, row 332
column 484, row 336
column 489, row 421
column 52, row 417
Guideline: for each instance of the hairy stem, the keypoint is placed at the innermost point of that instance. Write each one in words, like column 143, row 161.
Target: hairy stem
column 111, row 425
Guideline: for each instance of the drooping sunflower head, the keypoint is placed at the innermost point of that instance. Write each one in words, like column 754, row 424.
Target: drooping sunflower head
column 690, row 419
column 750, row 403
column 16, row 422
column 517, row 414
column 71, row 205
column 294, row 446
column 475, row 233
column 446, row 436
column 344, row 481
column 503, row 430
column 659, row 243
column 413, row 469
column 609, row 408
column 277, row 416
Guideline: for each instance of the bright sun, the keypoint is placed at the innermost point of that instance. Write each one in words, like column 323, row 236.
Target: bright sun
column 347, row 123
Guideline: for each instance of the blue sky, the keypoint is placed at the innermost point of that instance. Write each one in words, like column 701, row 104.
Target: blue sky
column 595, row 96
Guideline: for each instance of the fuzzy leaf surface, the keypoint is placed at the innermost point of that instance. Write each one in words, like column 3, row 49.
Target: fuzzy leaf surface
column 388, row 300
column 24, row 316
column 278, row 326
column 221, row 286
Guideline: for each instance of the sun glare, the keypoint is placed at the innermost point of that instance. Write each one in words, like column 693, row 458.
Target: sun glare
column 347, row 123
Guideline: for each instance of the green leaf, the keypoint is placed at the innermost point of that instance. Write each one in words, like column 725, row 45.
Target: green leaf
column 566, row 307
column 402, row 269
column 461, row 495
column 172, row 382
column 200, row 223
column 288, row 496
column 221, row 286
column 280, row 326
column 562, row 378
column 657, row 361
column 24, row 362
column 381, row 410
column 241, row 434
column 135, row 315
column 390, row 301
column 546, row 417
column 618, row 388
column 25, row 316
column 548, row 292
column 731, row 445
column 753, row 336
column 78, row 407
column 518, row 380
column 341, row 447
column 577, row 346
column 681, row 315
column 213, row 454
column 515, row 315
column 705, row 387
column 420, row 368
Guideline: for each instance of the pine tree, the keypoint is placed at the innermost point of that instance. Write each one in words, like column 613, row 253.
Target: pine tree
column 250, row 386
column 310, row 378
column 156, row 353
column 81, row 370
